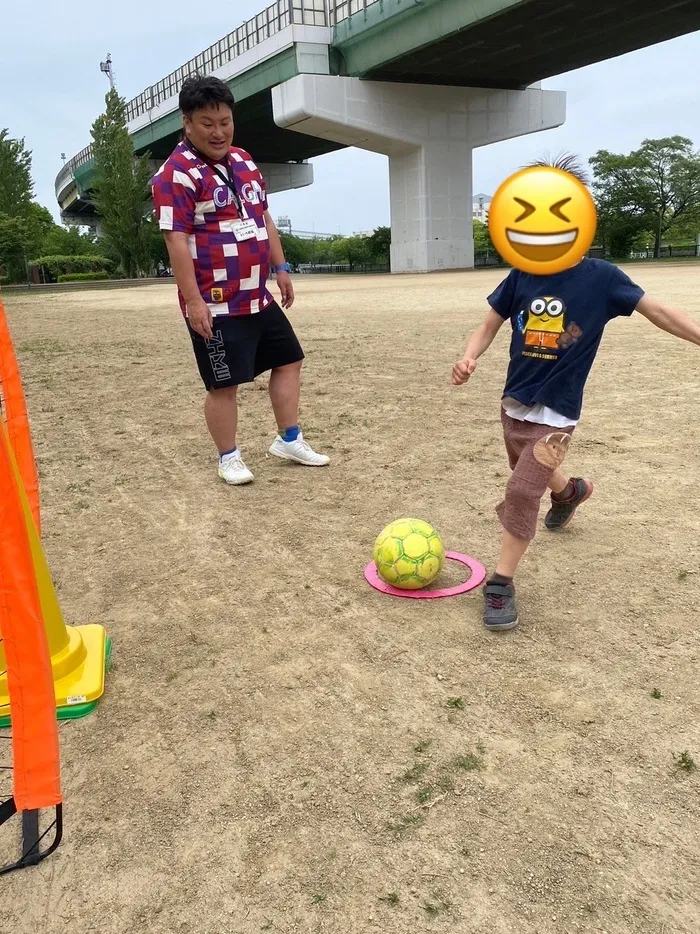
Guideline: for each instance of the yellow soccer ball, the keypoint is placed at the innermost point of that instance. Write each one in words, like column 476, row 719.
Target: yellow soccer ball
column 409, row 554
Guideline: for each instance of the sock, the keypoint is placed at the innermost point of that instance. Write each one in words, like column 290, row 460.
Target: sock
column 223, row 455
column 290, row 434
column 500, row 579
column 568, row 493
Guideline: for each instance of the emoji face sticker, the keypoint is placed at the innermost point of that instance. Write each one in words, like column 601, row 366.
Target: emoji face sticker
column 542, row 220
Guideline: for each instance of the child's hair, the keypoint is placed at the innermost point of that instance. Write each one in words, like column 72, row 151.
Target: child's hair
column 566, row 162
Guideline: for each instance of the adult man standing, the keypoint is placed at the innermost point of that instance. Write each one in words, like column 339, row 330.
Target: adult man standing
column 212, row 207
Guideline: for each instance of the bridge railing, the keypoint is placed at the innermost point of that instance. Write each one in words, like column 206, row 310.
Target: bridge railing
column 273, row 19
column 343, row 9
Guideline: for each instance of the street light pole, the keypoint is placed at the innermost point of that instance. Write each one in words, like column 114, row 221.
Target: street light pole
column 106, row 67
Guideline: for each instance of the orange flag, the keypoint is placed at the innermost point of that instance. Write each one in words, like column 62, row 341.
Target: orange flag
column 14, row 409
column 35, row 748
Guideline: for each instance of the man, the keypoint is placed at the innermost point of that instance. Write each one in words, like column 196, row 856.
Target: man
column 212, row 207
column 543, row 395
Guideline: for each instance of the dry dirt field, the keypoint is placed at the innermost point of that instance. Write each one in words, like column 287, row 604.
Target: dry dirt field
column 280, row 747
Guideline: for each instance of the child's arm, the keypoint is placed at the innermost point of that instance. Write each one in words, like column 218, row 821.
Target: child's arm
column 673, row 320
column 478, row 344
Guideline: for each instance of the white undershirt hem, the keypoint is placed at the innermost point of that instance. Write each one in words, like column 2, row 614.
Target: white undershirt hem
column 539, row 414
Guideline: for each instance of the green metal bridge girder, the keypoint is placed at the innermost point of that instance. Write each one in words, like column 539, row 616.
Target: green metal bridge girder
column 392, row 28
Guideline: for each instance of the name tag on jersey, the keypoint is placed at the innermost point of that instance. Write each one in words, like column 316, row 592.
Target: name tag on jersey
column 245, row 230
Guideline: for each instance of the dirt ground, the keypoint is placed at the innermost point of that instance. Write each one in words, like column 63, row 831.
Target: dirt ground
column 280, row 747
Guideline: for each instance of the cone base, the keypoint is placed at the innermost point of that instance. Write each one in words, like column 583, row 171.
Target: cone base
column 78, row 692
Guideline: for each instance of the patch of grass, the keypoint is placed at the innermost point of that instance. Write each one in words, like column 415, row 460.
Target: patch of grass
column 433, row 909
column 424, row 794
column 446, row 783
column 319, row 899
column 423, row 746
column 468, row 763
column 683, row 575
column 79, row 487
column 391, row 899
column 656, row 694
column 409, row 820
column 685, row 761
column 414, row 774
column 456, row 703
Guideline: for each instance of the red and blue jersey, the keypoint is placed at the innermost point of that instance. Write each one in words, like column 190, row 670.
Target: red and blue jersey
column 192, row 196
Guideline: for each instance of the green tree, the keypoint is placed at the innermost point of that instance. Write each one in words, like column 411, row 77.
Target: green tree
column 482, row 238
column 320, row 251
column 379, row 245
column 122, row 189
column 38, row 225
column 16, row 186
column 651, row 189
column 67, row 241
column 351, row 250
column 13, row 248
column 296, row 250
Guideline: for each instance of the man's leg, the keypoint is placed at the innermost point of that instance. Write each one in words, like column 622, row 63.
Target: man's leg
column 221, row 414
column 285, row 389
column 280, row 352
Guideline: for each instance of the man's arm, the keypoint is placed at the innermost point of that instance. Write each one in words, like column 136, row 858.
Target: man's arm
column 672, row 320
column 478, row 344
column 198, row 312
column 277, row 256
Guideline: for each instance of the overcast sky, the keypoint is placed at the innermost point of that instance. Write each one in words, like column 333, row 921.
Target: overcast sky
column 51, row 90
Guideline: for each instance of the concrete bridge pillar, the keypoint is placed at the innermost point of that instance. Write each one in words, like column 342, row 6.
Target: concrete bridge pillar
column 428, row 132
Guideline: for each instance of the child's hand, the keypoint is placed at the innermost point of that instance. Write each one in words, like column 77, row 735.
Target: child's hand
column 462, row 371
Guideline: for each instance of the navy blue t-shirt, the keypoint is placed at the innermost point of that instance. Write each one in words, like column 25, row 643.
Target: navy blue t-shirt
column 558, row 323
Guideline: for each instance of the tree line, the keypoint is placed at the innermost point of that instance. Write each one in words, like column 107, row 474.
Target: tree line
column 644, row 199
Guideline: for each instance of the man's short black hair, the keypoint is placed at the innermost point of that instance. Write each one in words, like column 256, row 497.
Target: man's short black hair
column 202, row 91
column 567, row 163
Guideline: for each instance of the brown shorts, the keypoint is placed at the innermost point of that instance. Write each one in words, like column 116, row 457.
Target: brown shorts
column 534, row 453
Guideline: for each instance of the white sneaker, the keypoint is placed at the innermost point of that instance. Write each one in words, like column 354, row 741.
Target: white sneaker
column 233, row 470
column 299, row 451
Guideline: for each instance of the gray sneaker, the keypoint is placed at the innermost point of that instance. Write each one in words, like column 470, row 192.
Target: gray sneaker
column 500, row 611
column 562, row 512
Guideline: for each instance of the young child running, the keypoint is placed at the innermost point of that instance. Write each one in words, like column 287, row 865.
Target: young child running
column 557, row 324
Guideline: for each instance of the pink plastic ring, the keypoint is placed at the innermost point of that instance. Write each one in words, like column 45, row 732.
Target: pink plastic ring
column 477, row 576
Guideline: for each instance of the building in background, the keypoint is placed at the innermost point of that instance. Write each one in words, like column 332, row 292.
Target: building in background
column 480, row 208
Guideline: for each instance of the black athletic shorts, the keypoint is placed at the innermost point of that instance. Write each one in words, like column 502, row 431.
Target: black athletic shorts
column 244, row 346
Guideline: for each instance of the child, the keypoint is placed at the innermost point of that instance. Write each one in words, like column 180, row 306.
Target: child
column 557, row 324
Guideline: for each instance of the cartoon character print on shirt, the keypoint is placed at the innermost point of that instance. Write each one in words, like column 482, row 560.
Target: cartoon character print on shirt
column 545, row 328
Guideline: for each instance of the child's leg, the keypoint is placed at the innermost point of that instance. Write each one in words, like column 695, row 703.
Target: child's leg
column 512, row 551
column 558, row 482
column 541, row 451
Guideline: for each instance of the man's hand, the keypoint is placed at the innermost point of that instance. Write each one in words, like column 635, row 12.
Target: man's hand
column 200, row 318
column 462, row 371
column 284, row 281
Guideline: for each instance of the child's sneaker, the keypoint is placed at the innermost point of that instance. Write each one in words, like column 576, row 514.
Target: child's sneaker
column 562, row 511
column 500, row 611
